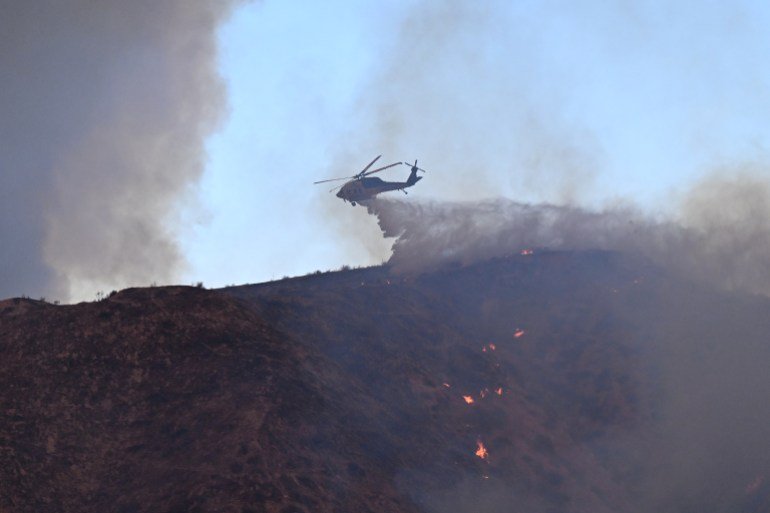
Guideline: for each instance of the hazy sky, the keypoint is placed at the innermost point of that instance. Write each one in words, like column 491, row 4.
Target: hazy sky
column 589, row 102
column 177, row 142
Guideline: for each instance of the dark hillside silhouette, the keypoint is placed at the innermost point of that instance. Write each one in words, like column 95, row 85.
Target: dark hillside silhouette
column 544, row 382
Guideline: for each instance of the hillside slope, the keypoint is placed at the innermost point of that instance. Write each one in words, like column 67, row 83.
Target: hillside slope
column 556, row 381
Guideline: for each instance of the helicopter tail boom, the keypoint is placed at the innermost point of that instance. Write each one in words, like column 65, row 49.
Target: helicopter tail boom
column 413, row 178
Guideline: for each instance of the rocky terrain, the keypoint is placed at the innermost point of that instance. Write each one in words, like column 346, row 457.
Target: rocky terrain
column 540, row 382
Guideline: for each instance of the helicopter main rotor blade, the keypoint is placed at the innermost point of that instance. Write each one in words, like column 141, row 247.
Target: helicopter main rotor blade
column 338, row 187
column 361, row 173
column 382, row 169
column 334, row 179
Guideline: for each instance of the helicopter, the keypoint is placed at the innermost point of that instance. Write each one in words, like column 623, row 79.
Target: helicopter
column 360, row 187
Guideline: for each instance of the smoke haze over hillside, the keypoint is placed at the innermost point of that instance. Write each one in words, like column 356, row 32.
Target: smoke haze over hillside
column 558, row 114
column 104, row 110
column 721, row 235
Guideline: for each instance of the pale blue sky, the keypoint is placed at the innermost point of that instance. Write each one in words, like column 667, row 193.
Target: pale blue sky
column 536, row 101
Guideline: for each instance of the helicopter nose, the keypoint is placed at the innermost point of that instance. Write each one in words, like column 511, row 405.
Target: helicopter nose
column 339, row 194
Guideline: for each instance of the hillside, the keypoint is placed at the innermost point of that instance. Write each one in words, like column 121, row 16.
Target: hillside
column 545, row 382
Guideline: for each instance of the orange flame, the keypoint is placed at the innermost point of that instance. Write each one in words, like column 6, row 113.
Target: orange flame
column 526, row 252
column 481, row 451
column 518, row 333
column 499, row 391
column 484, row 393
column 468, row 399
column 447, row 385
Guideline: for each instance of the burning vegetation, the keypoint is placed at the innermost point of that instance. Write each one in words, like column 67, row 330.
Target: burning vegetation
column 318, row 394
column 481, row 451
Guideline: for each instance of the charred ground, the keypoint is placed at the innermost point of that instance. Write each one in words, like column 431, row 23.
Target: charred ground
column 598, row 383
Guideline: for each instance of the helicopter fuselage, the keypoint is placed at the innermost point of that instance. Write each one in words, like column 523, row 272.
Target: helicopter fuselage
column 361, row 187
column 367, row 188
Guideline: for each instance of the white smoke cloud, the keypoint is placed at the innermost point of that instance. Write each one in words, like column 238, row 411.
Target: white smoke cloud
column 105, row 108
column 720, row 236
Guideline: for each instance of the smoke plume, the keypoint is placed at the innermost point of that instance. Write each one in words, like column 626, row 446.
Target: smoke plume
column 720, row 236
column 555, row 104
column 105, row 107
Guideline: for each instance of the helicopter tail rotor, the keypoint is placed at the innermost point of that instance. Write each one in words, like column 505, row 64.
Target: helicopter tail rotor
column 414, row 166
column 413, row 178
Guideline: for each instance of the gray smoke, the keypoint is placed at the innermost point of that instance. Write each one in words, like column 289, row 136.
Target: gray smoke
column 706, row 446
column 463, row 89
column 104, row 109
column 720, row 236
column 495, row 100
